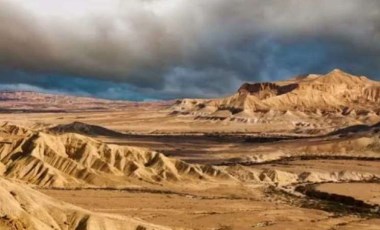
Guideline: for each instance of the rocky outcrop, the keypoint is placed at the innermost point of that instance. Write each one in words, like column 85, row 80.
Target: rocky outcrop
column 266, row 89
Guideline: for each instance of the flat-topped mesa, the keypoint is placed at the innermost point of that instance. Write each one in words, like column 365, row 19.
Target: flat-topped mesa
column 266, row 89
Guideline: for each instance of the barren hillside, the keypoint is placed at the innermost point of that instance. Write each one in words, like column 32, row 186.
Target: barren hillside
column 338, row 98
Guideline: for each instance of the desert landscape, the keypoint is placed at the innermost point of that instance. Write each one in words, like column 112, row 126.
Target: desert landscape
column 189, row 115
column 297, row 154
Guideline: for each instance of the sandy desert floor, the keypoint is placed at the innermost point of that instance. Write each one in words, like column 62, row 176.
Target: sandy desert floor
column 209, row 210
column 152, row 121
column 371, row 193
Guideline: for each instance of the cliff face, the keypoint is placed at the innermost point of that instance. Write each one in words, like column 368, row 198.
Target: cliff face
column 266, row 89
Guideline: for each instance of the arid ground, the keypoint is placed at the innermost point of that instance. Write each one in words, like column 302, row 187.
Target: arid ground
column 251, row 161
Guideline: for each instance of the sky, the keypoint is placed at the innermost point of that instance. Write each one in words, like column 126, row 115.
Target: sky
column 166, row 49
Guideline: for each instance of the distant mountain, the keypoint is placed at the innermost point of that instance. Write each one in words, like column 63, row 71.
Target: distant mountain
column 26, row 101
column 336, row 91
column 335, row 99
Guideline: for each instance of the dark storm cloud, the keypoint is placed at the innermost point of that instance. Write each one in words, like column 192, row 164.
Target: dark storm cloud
column 178, row 48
